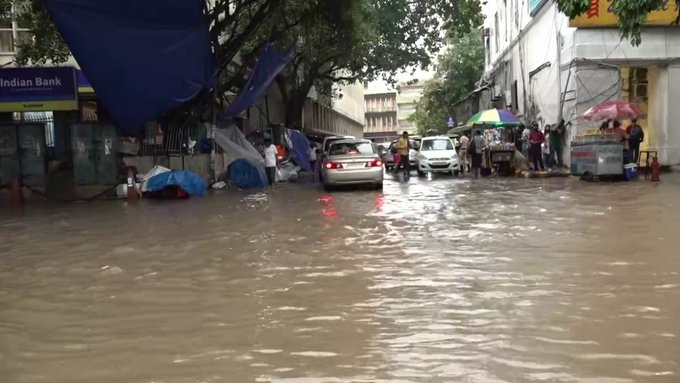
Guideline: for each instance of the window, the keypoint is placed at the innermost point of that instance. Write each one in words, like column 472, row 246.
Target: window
column 496, row 31
column 638, row 85
column 407, row 108
column 438, row 144
column 505, row 19
column 6, row 35
column 9, row 34
column 487, row 43
column 351, row 148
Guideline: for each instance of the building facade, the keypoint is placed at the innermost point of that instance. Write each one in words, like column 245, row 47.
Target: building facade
column 409, row 94
column 320, row 116
column 388, row 108
column 544, row 67
column 382, row 122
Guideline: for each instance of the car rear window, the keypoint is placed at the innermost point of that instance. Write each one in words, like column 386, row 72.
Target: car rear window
column 330, row 142
column 349, row 148
column 438, row 144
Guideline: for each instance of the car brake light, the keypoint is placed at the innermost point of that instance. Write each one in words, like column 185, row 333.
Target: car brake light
column 333, row 165
column 374, row 163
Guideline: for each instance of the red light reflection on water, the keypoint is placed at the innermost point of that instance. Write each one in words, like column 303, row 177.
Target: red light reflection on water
column 328, row 207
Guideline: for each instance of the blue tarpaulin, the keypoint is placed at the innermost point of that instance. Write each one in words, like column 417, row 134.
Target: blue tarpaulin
column 185, row 180
column 299, row 148
column 268, row 66
column 246, row 175
column 143, row 57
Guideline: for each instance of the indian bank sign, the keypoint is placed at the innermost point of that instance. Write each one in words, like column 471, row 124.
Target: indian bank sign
column 38, row 89
column 601, row 14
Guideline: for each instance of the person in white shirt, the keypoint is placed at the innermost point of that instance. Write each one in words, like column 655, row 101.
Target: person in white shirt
column 463, row 155
column 270, row 160
column 545, row 146
column 312, row 156
column 526, row 142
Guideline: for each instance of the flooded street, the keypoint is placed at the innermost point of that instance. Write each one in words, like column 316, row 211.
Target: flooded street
column 500, row 280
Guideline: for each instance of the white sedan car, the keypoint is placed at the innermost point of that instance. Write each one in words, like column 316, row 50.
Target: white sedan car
column 437, row 155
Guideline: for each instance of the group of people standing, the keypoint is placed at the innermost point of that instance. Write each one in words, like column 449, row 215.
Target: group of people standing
column 474, row 148
column 543, row 148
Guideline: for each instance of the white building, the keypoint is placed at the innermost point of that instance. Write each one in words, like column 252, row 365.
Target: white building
column 544, row 66
column 409, row 94
column 388, row 108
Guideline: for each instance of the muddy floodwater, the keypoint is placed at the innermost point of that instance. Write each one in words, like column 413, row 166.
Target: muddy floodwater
column 500, row 280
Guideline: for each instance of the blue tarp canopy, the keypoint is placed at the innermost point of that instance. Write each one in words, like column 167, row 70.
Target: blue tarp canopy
column 143, row 57
column 299, row 149
column 246, row 174
column 268, row 66
column 185, row 180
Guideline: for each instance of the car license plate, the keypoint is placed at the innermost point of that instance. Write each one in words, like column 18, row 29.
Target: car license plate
column 354, row 165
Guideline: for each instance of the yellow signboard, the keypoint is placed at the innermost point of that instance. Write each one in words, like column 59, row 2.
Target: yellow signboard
column 601, row 14
column 36, row 106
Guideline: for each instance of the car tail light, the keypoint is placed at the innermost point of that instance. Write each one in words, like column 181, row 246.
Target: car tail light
column 332, row 165
column 374, row 163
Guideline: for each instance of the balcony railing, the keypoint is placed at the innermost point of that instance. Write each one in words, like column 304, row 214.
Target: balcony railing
column 381, row 109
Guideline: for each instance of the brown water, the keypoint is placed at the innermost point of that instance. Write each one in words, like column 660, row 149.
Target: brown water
column 434, row 281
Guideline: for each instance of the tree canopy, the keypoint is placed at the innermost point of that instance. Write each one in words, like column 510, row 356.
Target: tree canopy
column 458, row 70
column 354, row 40
column 632, row 14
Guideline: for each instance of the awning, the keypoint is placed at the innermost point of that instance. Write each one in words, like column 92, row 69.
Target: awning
column 84, row 86
column 143, row 57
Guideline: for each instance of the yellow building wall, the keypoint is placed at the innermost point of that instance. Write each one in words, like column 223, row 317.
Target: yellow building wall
column 650, row 105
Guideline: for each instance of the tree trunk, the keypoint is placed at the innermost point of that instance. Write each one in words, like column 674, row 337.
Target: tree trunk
column 294, row 110
column 296, row 104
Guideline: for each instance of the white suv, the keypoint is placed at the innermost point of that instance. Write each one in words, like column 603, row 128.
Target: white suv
column 437, row 155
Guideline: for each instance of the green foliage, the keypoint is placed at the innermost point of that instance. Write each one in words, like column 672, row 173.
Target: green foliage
column 365, row 39
column 44, row 43
column 457, row 72
column 632, row 14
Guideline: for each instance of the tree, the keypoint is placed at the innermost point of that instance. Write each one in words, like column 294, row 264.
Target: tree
column 352, row 40
column 632, row 14
column 458, row 70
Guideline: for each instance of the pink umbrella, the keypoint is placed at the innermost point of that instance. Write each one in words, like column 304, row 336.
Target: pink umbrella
column 610, row 110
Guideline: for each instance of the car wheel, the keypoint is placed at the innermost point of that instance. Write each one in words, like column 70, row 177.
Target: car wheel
column 420, row 174
column 379, row 186
column 327, row 187
column 456, row 173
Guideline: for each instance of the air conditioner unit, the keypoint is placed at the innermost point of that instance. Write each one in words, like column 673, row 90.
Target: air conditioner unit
column 486, row 32
column 496, row 93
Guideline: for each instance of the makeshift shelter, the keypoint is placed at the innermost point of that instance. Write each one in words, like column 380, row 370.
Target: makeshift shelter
column 184, row 180
column 298, row 146
column 246, row 175
column 232, row 141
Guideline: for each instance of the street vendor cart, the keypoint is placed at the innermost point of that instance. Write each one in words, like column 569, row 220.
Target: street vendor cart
column 498, row 130
column 598, row 153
